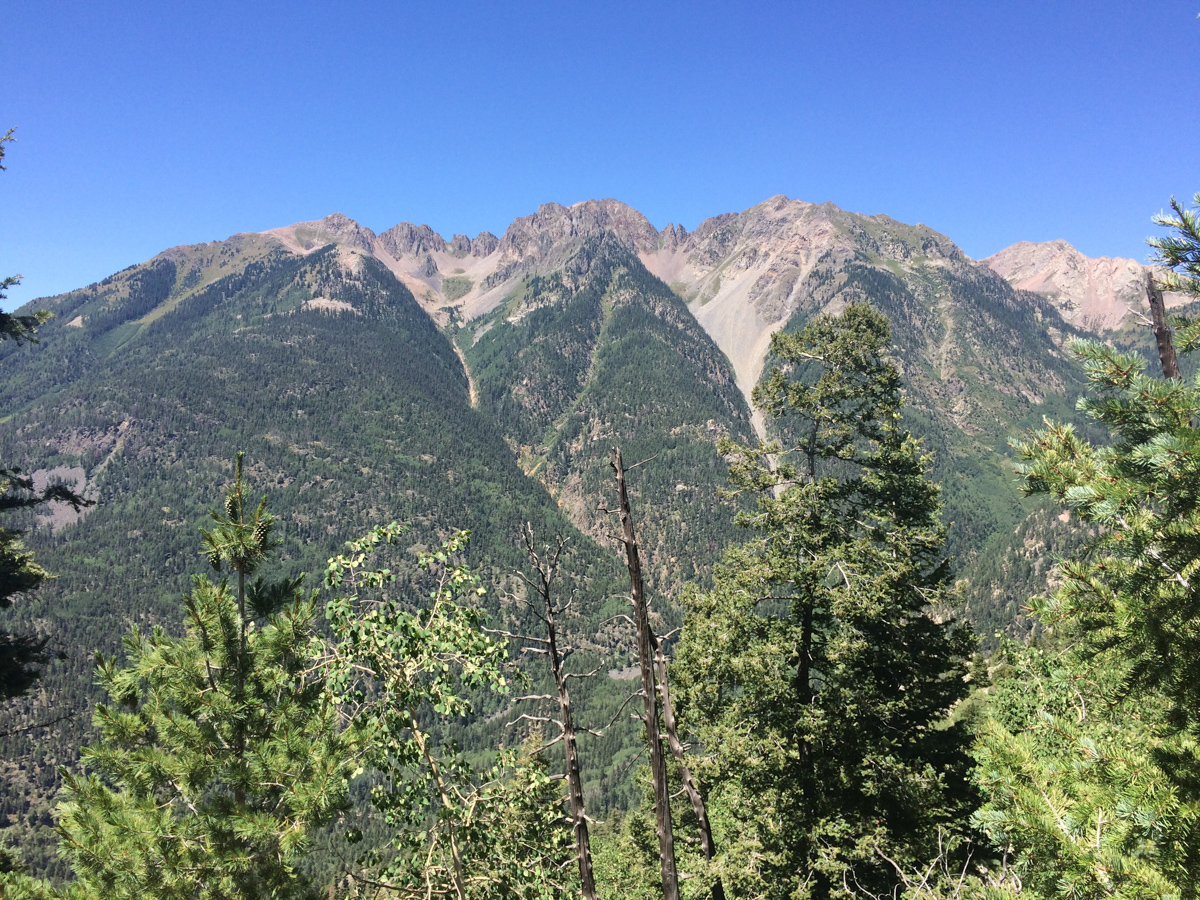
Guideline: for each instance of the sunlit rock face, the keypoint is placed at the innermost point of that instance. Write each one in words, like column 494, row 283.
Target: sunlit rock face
column 1096, row 294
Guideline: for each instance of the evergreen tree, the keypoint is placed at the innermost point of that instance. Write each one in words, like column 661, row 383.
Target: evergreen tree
column 1075, row 788
column 218, row 751
column 1097, row 783
column 812, row 674
column 13, row 327
column 21, row 656
column 1179, row 252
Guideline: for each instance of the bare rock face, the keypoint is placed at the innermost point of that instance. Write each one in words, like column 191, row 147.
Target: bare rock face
column 672, row 237
column 745, row 274
column 555, row 227
column 1092, row 293
column 416, row 254
column 407, row 239
column 485, row 244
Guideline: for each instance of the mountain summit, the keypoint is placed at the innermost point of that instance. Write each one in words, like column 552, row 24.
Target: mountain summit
column 1094, row 293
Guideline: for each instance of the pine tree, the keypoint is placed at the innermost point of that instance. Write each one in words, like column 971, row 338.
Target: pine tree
column 14, row 327
column 812, row 674
column 218, row 751
column 1095, row 782
column 1179, row 252
column 1074, row 787
column 22, row 655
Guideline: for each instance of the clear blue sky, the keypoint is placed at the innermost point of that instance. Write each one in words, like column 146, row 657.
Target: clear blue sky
column 142, row 125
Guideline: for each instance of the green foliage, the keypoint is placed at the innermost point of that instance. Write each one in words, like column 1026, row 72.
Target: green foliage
column 354, row 419
column 455, row 287
column 625, row 856
column 1091, row 762
column 1179, row 252
column 360, row 416
column 239, row 542
column 1014, row 565
column 981, row 363
column 404, row 673
column 21, row 328
column 601, row 352
column 21, row 655
column 13, row 327
column 1130, row 599
column 218, row 756
column 242, row 544
column 812, row 674
column 1074, row 782
column 1091, row 765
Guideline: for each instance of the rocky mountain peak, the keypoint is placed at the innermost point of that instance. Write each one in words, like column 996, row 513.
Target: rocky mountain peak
column 304, row 237
column 672, row 236
column 485, row 244
column 745, row 274
column 554, row 226
column 406, row 239
column 1094, row 293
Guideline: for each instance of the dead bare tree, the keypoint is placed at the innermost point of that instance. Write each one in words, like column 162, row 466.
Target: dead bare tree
column 1162, row 331
column 679, row 751
column 943, row 878
column 645, row 640
column 547, row 609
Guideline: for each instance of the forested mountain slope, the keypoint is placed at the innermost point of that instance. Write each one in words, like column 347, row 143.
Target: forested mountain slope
column 572, row 342
column 983, row 360
column 599, row 352
column 352, row 409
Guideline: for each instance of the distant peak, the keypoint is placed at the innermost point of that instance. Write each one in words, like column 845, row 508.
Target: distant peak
column 1034, row 248
column 411, row 240
column 553, row 224
column 1096, row 293
column 337, row 228
column 338, row 220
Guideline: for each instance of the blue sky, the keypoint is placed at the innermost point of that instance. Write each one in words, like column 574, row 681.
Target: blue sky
column 144, row 125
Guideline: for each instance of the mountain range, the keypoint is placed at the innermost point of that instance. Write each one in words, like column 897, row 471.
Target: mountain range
column 479, row 383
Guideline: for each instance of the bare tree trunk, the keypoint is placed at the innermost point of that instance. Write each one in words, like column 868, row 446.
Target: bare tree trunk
column 685, row 774
column 459, row 877
column 1162, row 331
column 547, row 611
column 583, row 848
column 641, row 615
